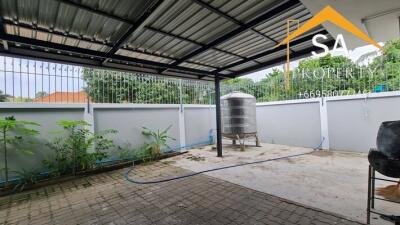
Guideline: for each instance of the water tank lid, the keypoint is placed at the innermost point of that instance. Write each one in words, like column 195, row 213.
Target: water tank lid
column 237, row 94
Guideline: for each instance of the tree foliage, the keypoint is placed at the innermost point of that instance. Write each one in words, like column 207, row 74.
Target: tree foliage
column 41, row 94
column 3, row 97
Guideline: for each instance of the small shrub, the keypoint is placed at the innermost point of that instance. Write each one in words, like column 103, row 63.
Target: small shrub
column 124, row 153
column 26, row 177
column 71, row 153
column 141, row 153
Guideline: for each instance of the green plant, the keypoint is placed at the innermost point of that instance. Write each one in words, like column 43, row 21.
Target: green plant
column 61, row 161
column 26, row 177
column 124, row 153
column 159, row 139
column 12, row 132
column 72, row 152
column 142, row 153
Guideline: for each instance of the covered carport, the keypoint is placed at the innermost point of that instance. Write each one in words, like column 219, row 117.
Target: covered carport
column 208, row 40
column 197, row 39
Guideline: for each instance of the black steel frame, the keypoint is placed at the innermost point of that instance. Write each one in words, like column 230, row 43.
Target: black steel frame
column 371, row 197
column 270, row 51
column 89, row 40
column 95, row 54
column 232, row 19
column 218, row 115
column 190, row 41
column 146, row 15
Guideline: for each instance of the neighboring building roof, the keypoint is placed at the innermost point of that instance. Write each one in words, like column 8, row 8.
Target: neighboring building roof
column 64, row 97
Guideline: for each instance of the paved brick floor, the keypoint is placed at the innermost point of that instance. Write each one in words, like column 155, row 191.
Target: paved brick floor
column 108, row 199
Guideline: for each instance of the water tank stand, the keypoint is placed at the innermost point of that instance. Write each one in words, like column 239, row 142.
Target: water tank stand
column 242, row 146
column 242, row 140
column 257, row 141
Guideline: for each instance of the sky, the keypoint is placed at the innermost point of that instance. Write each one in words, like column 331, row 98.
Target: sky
column 352, row 54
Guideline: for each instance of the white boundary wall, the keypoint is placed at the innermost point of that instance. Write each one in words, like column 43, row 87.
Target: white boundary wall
column 353, row 121
column 190, row 124
column 295, row 122
column 348, row 123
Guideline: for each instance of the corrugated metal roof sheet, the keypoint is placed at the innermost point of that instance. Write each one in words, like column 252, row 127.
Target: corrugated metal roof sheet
column 161, row 33
column 215, row 58
column 244, row 65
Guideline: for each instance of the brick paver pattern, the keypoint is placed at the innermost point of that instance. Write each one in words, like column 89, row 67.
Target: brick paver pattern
column 108, row 198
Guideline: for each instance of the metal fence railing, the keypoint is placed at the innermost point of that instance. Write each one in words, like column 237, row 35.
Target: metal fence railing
column 378, row 75
column 105, row 86
column 44, row 82
column 36, row 81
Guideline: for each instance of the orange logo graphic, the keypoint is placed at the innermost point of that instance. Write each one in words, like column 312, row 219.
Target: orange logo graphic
column 331, row 15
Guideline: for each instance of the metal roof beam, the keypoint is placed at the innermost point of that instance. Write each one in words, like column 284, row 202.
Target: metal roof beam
column 166, row 57
column 258, row 20
column 130, row 31
column 271, row 50
column 50, row 32
column 80, row 38
column 2, row 31
column 190, row 41
column 134, row 25
column 172, row 35
column 146, row 15
column 57, row 58
column 232, row 19
column 95, row 54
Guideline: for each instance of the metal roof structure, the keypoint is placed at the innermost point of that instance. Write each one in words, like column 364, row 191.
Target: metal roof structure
column 198, row 39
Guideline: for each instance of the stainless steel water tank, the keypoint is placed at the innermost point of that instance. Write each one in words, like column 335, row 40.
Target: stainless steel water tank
column 238, row 112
